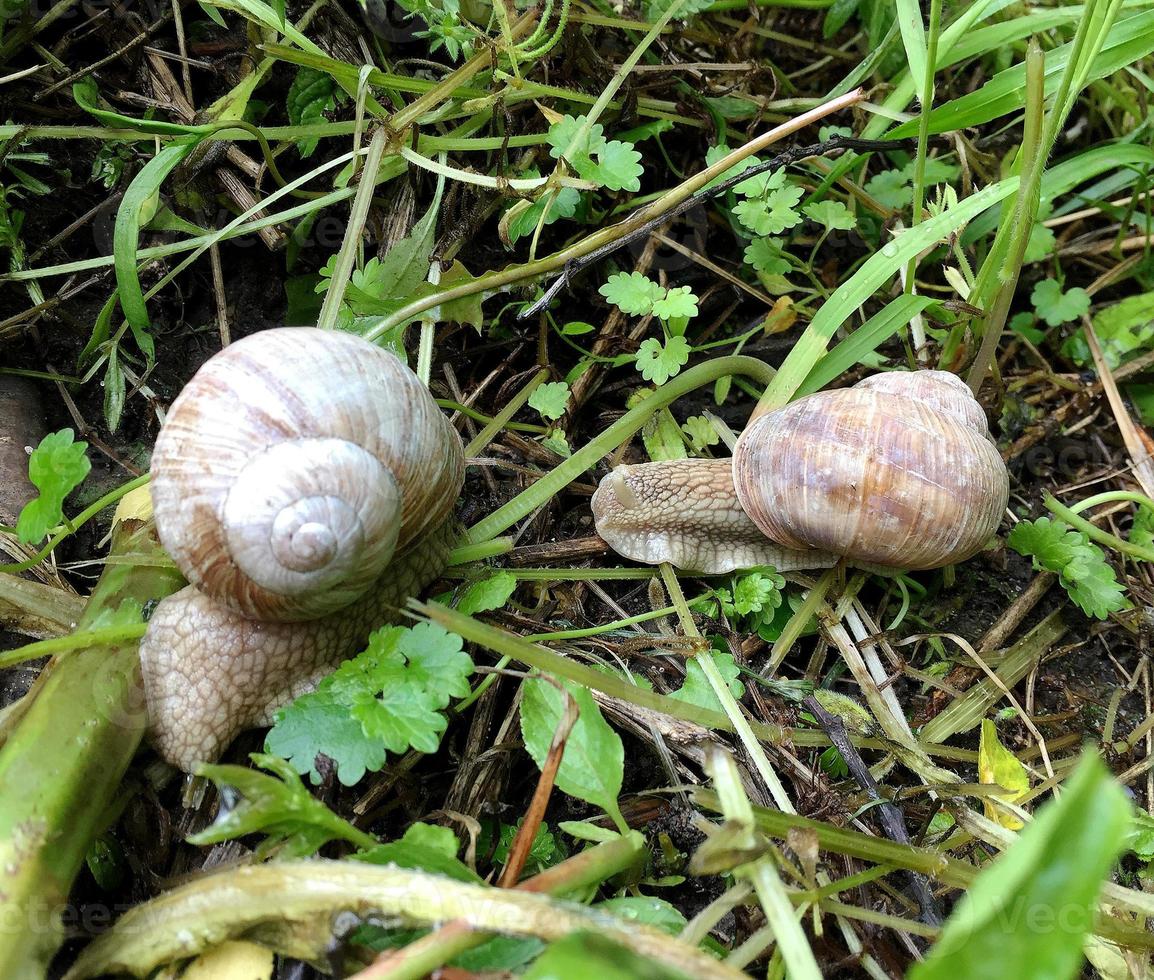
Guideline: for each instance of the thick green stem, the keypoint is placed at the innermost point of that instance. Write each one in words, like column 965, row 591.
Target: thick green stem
column 71, row 742
column 246, row 901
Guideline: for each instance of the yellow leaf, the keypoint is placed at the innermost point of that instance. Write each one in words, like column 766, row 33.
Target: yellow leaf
column 135, row 505
column 998, row 766
column 551, row 115
column 232, row 961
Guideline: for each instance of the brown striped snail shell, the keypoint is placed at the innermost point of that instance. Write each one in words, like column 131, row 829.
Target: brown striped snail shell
column 899, row 470
column 293, row 465
column 303, row 482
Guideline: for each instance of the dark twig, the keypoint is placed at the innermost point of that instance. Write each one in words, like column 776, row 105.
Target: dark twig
column 785, row 159
column 889, row 815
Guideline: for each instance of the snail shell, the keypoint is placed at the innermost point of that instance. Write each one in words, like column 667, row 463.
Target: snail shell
column 899, row 470
column 292, row 467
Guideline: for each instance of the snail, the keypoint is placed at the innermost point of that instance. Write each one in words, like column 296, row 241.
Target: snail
column 302, row 482
column 897, row 472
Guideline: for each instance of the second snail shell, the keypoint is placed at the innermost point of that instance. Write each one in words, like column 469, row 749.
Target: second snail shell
column 898, row 471
column 293, row 466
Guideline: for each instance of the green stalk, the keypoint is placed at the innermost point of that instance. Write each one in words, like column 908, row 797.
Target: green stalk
column 535, row 496
column 924, row 127
column 62, row 763
column 572, row 876
column 1003, row 265
column 1095, row 533
column 245, row 901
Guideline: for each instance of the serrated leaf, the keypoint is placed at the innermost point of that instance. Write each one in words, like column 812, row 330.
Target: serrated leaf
column 632, row 292
column 311, row 95
column 697, row 689
column 56, row 467
column 659, row 362
column 767, row 255
column 700, row 432
column 550, row 399
column 1081, row 565
column 561, row 204
column 593, row 765
column 678, row 302
column 387, row 698
column 1057, row 307
column 772, row 214
column 832, row 214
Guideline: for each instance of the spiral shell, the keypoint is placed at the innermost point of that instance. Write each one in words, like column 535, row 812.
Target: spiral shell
column 292, row 467
column 899, row 470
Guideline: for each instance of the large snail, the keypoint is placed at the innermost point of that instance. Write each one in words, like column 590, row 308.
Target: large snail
column 303, row 482
column 898, row 471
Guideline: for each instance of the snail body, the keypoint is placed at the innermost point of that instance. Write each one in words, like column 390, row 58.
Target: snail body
column 897, row 472
column 302, row 482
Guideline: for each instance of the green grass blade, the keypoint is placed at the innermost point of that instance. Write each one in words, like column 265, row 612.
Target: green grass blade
column 864, row 341
column 873, row 274
column 1130, row 40
column 126, row 232
column 1028, row 914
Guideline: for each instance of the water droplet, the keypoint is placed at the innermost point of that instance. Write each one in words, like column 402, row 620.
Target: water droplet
column 890, row 250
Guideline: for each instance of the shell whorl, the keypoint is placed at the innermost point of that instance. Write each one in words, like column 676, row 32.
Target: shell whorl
column 292, row 467
column 899, row 470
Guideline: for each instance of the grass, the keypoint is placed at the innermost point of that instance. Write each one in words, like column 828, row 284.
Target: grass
column 457, row 187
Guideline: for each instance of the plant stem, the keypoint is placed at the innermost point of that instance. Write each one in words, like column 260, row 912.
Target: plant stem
column 535, row 496
column 240, row 901
column 1095, row 533
column 588, row 868
column 64, row 757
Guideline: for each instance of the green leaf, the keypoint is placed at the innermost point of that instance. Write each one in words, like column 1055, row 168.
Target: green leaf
column 1057, row 307
column 141, row 195
column 424, row 847
column 632, row 292
column 909, row 17
column 893, row 188
column 678, row 302
column 1122, row 329
column 1129, row 40
column 319, row 724
column 1081, row 566
column 588, row 954
column 388, row 698
column 56, row 467
column 686, row 9
column 612, row 164
column 488, row 594
column 1028, row 914
column 311, row 95
column 550, row 399
column 647, row 910
column 772, row 214
column 700, row 432
column 768, row 255
column 278, row 805
column 593, row 766
column 864, row 283
column 697, row 689
column 832, row 214
column 561, row 203
column 659, row 362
